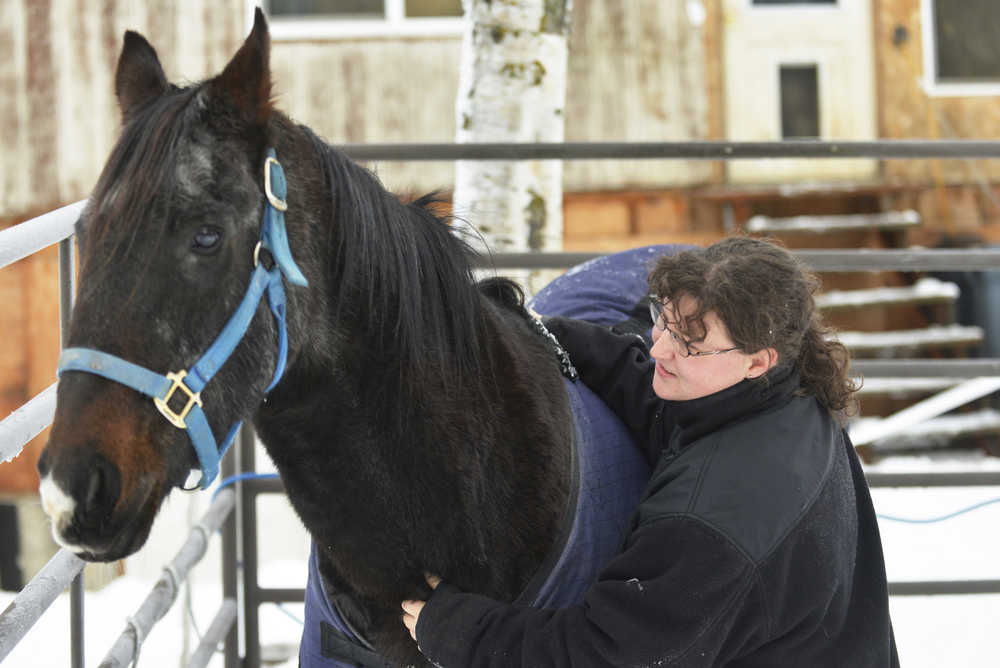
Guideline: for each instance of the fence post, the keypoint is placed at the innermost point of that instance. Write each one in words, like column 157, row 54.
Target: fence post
column 67, row 278
column 230, row 556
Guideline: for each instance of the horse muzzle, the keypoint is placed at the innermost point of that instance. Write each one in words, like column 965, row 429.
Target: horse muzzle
column 81, row 492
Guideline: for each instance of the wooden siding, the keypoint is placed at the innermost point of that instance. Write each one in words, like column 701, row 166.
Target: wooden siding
column 637, row 72
column 906, row 110
column 58, row 114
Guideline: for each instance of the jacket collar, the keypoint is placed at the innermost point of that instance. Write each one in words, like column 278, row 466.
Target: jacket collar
column 695, row 418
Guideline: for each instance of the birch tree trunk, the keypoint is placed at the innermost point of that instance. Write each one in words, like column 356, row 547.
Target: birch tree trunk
column 512, row 88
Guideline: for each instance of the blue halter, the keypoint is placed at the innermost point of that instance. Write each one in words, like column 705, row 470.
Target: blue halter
column 190, row 383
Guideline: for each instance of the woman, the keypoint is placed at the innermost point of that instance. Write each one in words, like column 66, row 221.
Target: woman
column 755, row 543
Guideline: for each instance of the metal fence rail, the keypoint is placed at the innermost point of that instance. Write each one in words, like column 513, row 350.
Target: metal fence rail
column 36, row 597
column 916, row 259
column 679, row 150
column 128, row 645
column 29, row 237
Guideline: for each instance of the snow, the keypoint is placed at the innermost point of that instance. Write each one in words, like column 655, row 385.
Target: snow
column 823, row 224
column 936, row 432
column 925, row 289
column 931, row 631
column 904, row 386
column 913, row 416
column 933, row 335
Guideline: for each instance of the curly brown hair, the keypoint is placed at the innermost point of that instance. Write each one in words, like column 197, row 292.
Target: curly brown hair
column 764, row 296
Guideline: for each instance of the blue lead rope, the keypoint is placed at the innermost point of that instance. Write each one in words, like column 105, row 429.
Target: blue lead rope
column 163, row 388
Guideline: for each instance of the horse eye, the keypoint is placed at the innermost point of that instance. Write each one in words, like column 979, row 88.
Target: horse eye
column 206, row 239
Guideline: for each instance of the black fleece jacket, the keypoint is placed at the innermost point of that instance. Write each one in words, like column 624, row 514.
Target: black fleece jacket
column 755, row 543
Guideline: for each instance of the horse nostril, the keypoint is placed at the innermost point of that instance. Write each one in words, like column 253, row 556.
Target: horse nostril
column 103, row 488
column 43, row 463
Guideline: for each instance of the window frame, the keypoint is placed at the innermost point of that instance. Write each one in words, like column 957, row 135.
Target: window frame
column 328, row 27
column 930, row 83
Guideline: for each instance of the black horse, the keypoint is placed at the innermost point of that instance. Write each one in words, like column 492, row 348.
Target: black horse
column 421, row 424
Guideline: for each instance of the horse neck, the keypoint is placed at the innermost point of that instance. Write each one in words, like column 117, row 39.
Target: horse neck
column 403, row 373
column 397, row 309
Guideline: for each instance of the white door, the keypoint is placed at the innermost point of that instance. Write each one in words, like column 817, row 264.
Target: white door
column 798, row 70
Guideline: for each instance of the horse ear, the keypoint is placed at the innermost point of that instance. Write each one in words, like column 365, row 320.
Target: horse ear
column 246, row 81
column 139, row 77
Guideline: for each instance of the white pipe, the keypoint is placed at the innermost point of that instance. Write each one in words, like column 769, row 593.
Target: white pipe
column 868, row 432
column 27, row 422
column 35, row 598
column 220, row 626
column 33, row 235
column 126, row 648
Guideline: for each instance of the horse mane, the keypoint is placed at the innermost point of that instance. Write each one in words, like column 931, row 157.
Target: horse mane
column 406, row 265
column 504, row 291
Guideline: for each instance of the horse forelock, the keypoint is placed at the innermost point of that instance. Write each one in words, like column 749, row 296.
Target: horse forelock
column 139, row 177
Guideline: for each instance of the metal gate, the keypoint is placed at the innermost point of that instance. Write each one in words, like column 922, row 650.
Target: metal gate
column 241, row 588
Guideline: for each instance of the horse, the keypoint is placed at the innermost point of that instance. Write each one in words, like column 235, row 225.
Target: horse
column 235, row 266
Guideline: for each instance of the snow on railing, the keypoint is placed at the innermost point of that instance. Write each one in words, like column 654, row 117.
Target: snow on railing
column 933, row 335
column 905, row 386
column 834, row 223
column 925, row 290
column 28, row 421
column 866, row 432
column 31, row 236
column 938, row 431
column 36, row 597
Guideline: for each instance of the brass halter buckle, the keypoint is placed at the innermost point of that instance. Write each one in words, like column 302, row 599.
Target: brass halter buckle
column 177, row 419
column 276, row 202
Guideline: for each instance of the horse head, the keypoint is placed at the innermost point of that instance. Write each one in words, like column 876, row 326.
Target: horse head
column 171, row 248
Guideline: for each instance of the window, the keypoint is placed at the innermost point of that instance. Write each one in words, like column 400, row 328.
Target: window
column 364, row 8
column 966, row 46
column 794, row 2
column 799, row 90
column 319, row 19
column 961, row 51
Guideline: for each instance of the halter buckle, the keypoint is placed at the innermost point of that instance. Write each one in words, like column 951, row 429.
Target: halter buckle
column 276, row 202
column 163, row 405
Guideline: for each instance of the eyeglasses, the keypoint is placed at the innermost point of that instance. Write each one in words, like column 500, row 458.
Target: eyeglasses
column 683, row 346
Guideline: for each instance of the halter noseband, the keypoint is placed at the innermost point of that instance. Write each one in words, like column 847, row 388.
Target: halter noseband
column 163, row 388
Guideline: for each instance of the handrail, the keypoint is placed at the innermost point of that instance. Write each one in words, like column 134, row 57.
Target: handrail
column 20, row 241
column 217, row 630
column 679, row 150
column 913, row 259
column 26, row 422
column 36, row 597
column 126, row 648
column 926, row 368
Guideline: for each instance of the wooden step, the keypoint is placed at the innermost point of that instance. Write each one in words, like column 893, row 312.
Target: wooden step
column 939, row 432
column 911, row 340
column 904, row 388
column 885, row 220
column 927, row 290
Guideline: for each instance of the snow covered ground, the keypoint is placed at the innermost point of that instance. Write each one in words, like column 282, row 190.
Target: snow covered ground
column 931, row 631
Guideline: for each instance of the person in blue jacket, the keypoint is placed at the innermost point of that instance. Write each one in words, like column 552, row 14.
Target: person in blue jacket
column 755, row 542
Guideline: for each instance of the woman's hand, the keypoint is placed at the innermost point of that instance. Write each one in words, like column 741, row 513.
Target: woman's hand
column 411, row 609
